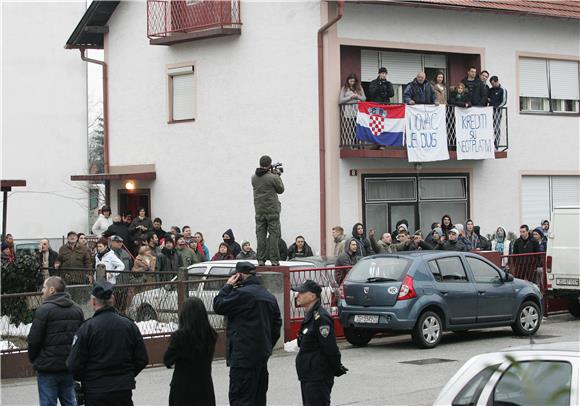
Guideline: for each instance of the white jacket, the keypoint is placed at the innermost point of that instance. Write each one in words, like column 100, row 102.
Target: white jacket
column 112, row 263
column 102, row 224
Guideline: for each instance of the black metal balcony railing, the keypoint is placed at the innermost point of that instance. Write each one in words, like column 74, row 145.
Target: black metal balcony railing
column 348, row 138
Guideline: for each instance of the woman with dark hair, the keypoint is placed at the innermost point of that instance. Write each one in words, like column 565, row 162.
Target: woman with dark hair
column 191, row 350
column 446, row 225
column 439, row 87
column 350, row 94
column 223, row 253
column 140, row 226
column 103, row 222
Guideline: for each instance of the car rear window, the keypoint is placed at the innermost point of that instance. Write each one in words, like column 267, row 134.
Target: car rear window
column 388, row 267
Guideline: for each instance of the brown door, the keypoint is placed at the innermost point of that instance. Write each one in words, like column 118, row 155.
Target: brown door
column 131, row 200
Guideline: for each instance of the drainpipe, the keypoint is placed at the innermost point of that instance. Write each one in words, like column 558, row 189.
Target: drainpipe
column 105, row 119
column 321, row 127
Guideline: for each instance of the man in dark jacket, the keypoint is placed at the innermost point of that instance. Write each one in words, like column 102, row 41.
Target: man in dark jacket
column 117, row 228
column 525, row 244
column 49, row 343
column 364, row 245
column 318, row 360
column 169, row 260
column 73, row 255
column 107, row 352
column 475, row 88
column 267, row 185
column 452, row 243
column 253, row 328
column 380, row 89
column 484, row 243
column 229, row 239
column 525, row 266
column 497, row 98
column 46, row 257
column 159, row 232
column 299, row 249
column 419, row 91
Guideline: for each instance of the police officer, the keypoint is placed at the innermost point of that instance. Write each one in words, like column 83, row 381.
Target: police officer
column 318, row 360
column 253, row 328
column 107, row 352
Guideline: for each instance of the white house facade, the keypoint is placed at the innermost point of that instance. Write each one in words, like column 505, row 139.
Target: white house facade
column 197, row 99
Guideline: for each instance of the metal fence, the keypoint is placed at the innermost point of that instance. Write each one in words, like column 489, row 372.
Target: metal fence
column 348, row 138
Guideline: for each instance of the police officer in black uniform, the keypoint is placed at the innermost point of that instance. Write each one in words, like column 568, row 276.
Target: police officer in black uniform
column 253, row 328
column 318, row 360
column 107, row 352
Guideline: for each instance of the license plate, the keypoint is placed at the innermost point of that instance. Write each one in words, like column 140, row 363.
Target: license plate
column 363, row 318
column 568, row 281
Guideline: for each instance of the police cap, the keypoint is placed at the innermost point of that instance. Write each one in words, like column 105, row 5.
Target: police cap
column 309, row 286
column 102, row 290
column 245, row 267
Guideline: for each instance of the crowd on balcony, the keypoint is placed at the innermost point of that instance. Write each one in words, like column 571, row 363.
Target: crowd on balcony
column 473, row 90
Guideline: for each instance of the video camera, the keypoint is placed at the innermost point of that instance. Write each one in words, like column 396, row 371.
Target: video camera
column 277, row 168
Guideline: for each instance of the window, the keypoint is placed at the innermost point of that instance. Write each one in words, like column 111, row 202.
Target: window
column 470, row 393
column 182, row 105
column 541, row 194
column 220, row 271
column 549, row 85
column 483, row 272
column 390, row 268
column 421, row 200
column 534, row 383
column 435, row 271
column 452, row 269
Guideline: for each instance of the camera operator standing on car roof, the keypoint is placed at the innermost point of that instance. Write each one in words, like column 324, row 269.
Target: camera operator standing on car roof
column 267, row 185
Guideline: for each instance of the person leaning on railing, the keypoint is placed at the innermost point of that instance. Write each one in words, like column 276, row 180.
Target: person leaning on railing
column 73, row 255
column 350, row 94
column 439, row 88
column 419, row 91
column 380, row 89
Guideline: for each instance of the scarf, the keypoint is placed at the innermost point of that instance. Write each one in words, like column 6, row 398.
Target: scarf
column 100, row 255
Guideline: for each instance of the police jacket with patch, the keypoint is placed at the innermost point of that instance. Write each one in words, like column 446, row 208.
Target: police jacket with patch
column 51, row 334
column 107, row 353
column 319, row 356
column 253, row 322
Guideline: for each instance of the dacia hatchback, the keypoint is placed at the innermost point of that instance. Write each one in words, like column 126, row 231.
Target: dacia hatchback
column 429, row 292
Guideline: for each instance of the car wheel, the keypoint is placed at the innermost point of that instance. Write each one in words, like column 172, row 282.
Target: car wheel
column 528, row 319
column 146, row 313
column 428, row 331
column 574, row 307
column 357, row 337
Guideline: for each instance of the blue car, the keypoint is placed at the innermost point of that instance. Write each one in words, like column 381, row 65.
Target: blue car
column 429, row 292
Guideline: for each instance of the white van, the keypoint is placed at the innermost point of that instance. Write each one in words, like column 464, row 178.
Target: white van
column 563, row 256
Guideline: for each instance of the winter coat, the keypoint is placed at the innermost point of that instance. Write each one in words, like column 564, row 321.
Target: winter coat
column 440, row 93
column 379, row 248
column 339, row 243
column 168, row 261
column 235, row 248
column 452, row 246
column 127, row 260
column 107, row 353
column 419, row 93
column 111, row 262
column 346, row 258
column 138, row 234
column 253, row 322
column 144, row 263
column 350, row 109
column 222, row 257
column 267, row 187
column 294, row 253
column 246, row 255
column 160, row 233
column 497, row 96
column 381, row 91
column 476, row 91
column 522, row 246
column 120, row 229
column 459, row 99
column 76, row 256
column 191, row 383
column 52, row 256
column 446, row 229
column 102, row 224
column 51, row 334
column 364, row 244
column 188, row 256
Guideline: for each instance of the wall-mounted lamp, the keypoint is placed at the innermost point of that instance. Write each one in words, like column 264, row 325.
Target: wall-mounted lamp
column 130, row 185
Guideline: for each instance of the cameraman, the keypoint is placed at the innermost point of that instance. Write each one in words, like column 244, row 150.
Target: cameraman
column 267, row 186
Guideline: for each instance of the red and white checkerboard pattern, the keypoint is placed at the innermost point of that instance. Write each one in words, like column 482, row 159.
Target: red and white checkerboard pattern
column 377, row 125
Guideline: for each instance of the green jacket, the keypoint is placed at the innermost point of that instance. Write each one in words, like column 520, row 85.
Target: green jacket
column 267, row 187
column 188, row 256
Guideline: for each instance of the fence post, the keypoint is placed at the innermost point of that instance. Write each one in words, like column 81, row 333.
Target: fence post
column 101, row 272
column 182, row 291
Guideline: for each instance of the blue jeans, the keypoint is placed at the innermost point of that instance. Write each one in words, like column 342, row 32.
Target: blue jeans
column 56, row 385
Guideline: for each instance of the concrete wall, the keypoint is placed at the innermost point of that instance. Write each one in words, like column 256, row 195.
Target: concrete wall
column 544, row 144
column 256, row 94
column 44, row 129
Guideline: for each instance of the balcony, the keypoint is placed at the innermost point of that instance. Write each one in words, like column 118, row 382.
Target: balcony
column 172, row 22
column 350, row 147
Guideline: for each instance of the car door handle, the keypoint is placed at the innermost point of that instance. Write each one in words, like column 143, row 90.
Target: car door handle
column 481, row 292
column 444, row 292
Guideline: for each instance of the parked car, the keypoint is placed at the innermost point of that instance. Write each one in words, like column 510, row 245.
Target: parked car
column 546, row 374
column 161, row 303
column 429, row 292
column 26, row 247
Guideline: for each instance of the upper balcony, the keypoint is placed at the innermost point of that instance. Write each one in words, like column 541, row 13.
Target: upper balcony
column 351, row 147
column 172, row 22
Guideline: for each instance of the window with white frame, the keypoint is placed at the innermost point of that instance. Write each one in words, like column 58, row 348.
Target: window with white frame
column 182, row 103
column 541, row 194
column 549, row 86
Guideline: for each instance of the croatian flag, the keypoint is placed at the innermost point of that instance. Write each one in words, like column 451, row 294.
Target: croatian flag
column 381, row 124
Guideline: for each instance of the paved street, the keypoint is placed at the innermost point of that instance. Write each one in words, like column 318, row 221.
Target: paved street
column 378, row 374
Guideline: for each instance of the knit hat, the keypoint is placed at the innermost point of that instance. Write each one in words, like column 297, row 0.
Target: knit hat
column 403, row 225
column 244, row 242
column 438, row 231
column 540, row 231
column 454, row 230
